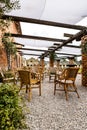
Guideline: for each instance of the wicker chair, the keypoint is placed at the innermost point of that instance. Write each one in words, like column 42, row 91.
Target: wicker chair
column 66, row 80
column 30, row 82
column 7, row 77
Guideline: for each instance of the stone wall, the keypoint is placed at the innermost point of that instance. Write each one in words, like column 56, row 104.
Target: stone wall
column 84, row 61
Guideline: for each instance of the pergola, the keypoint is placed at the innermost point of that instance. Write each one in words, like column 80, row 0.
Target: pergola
column 64, row 14
column 54, row 15
column 57, row 43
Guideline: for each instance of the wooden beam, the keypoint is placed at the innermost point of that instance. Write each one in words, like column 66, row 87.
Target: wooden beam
column 43, row 22
column 30, row 54
column 56, row 53
column 31, row 49
column 18, row 44
column 62, row 57
column 83, row 32
column 70, row 39
column 52, row 47
column 73, row 46
column 27, row 53
column 68, row 35
column 35, row 37
column 19, row 51
column 43, row 51
column 66, row 54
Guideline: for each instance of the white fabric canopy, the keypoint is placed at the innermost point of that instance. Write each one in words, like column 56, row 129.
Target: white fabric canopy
column 65, row 11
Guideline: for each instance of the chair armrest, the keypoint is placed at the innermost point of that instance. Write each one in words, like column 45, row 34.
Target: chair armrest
column 61, row 75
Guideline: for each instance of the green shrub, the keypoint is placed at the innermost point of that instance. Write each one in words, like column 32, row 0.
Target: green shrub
column 11, row 115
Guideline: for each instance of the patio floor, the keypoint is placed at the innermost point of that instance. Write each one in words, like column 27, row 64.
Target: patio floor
column 49, row 112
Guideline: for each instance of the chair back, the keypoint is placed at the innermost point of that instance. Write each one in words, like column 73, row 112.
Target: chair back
column 70, row 73
column 25, row 76
column 52, row 70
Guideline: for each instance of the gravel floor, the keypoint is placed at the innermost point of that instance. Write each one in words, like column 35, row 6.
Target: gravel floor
column 49, row 112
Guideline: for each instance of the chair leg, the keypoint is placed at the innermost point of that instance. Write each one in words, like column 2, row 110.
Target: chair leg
column 76, row 90
column 30, row 93
column 54, row 88
column 20, row 87
column 26, row 88
column 49, row 78
column 40, row 90
column 66, row 93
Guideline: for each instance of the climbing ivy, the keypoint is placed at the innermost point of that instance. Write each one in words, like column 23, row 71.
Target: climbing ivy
column 10, row 49
column 84, row 48
column 8, row 5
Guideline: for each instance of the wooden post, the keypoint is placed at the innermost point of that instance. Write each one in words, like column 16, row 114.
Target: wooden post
column 52, row 59
column 42, row 63
column 58, row 63
column 51, row 62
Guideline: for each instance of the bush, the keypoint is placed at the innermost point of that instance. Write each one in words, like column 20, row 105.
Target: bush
column 11, row 115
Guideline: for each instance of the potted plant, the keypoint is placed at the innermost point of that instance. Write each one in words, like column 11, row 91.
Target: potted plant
column 52, row 56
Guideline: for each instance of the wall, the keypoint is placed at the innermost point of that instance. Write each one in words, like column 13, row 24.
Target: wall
column 15, row 62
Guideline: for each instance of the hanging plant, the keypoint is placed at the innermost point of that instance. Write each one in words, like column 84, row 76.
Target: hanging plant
column 10, row 49
column 53, row 56
column 9, row 46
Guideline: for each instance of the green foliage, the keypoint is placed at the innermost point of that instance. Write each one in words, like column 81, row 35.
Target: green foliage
column 9, row 46
column 5, row 7
column 11, row 115
column 53, row 56
column 8, row 5
column 4, row 24
column 84, row 48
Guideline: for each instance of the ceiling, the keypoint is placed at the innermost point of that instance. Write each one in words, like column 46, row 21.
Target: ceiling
column 63, row 11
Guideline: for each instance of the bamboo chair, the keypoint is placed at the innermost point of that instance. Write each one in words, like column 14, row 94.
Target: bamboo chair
column 66, row 80
column 30, row 82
